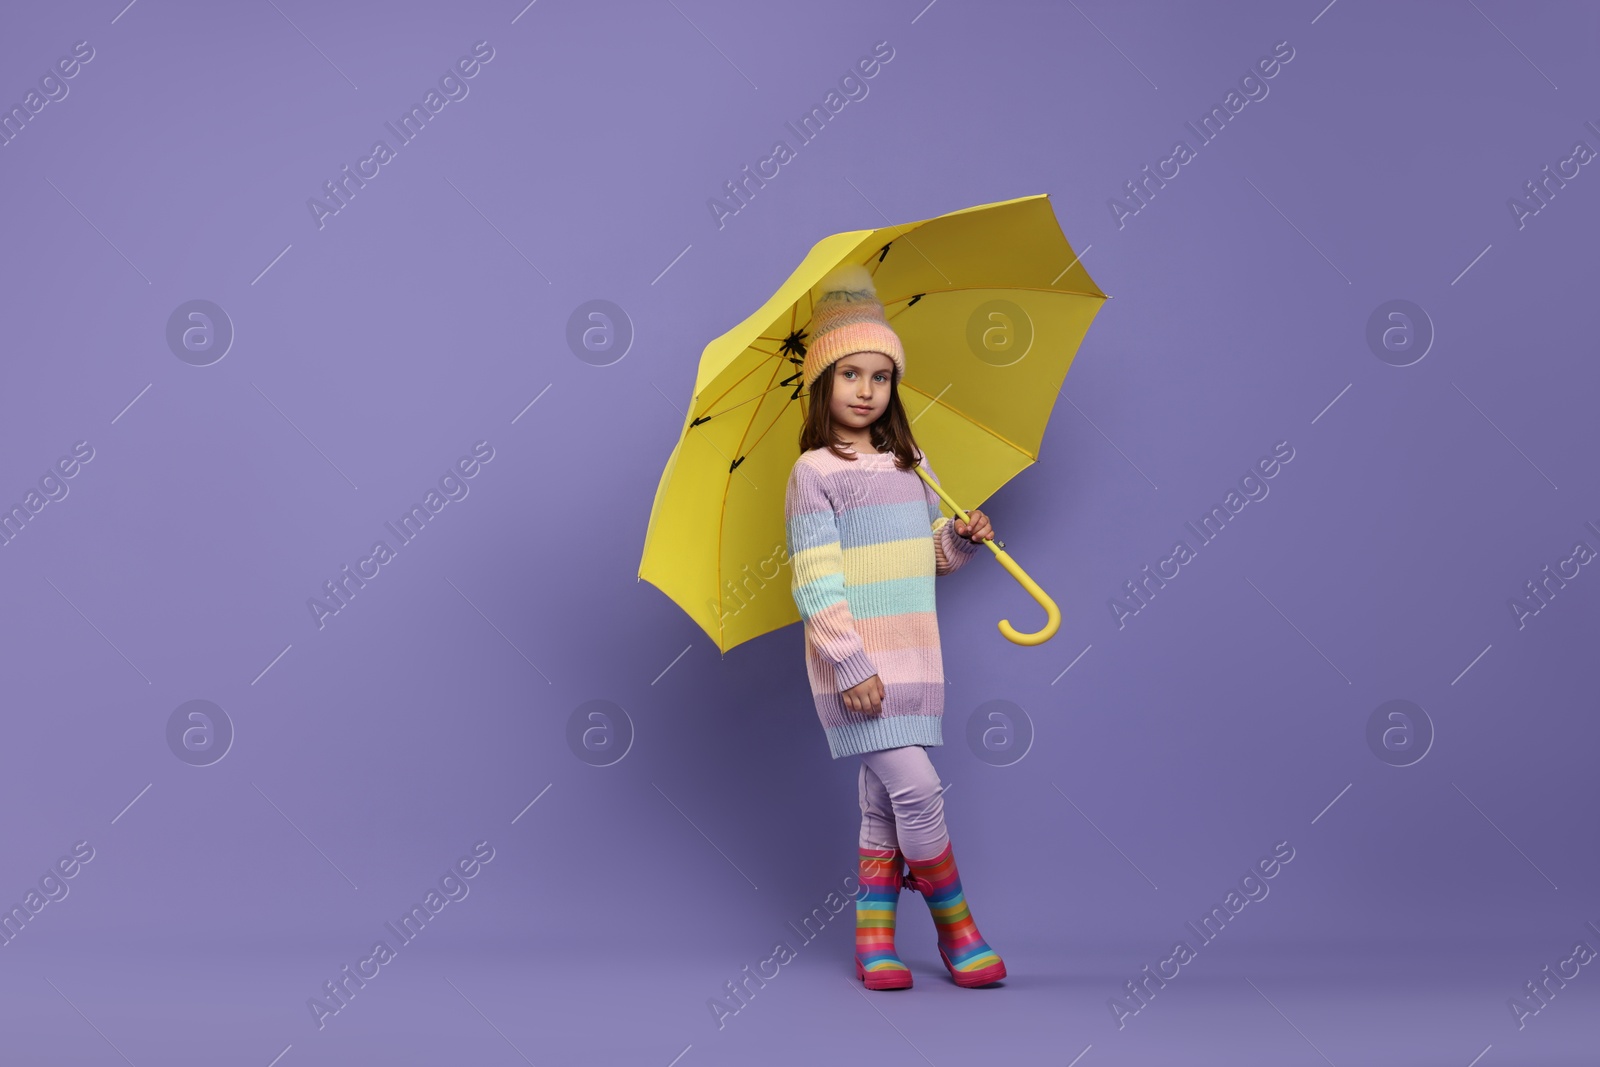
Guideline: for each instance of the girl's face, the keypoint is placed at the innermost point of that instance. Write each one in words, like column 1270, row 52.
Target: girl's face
column 861, row 384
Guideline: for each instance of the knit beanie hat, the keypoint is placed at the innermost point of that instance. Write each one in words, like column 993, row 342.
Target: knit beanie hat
column 847, row 319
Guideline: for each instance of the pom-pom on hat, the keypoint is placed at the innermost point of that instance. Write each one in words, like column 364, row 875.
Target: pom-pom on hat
column 847, row 319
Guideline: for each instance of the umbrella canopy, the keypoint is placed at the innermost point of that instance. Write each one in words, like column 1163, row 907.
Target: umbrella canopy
column 991, row 305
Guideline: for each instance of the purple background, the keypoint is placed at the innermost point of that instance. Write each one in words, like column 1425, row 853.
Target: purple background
column 430, row 712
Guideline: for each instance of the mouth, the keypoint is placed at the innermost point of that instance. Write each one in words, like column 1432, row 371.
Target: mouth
column 859, row 410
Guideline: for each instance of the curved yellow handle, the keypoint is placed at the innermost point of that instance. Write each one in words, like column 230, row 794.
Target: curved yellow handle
column 1053, row 613
column 1011, row 633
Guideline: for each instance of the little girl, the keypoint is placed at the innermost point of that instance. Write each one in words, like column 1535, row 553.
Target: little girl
column 865, row 540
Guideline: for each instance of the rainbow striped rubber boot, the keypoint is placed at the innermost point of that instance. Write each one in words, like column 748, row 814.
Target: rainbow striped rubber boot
column 967, row 956
column 876, row 962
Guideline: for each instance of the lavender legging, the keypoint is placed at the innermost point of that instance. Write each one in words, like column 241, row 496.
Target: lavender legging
column 902, row 803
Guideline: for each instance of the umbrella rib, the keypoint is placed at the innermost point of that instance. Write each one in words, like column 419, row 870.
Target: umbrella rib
column 721, row 630
column 975, row 288
column 735, row 384
column 768, row 430
column 741, row 453
column 1018, row 288
column 742, row 403
column 905, row 231
column 958, row 413
column 721, row 635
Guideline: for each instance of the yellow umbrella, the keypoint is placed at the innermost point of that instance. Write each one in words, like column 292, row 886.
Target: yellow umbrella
column 991, row 304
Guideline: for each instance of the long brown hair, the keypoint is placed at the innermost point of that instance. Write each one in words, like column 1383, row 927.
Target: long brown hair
column 890, row 432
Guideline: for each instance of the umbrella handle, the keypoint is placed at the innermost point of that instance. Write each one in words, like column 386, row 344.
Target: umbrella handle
column 1011, row 633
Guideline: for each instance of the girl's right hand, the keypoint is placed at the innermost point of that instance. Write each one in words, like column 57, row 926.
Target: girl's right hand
column 866, row 698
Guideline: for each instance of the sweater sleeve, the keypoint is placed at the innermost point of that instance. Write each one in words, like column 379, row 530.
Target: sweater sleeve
column 950, row 550
column 817, row 563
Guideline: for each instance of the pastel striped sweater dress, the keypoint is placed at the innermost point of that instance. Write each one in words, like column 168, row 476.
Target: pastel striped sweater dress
column 866, row 541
